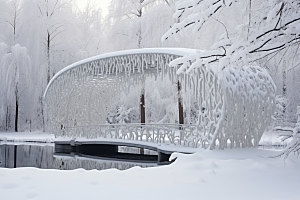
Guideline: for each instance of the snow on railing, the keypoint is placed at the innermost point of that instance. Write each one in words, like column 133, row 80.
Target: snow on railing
column 176, row 134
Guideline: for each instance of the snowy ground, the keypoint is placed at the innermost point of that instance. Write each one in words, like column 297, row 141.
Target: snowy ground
column 271, row 138
column 228, row 174
column 37, row 136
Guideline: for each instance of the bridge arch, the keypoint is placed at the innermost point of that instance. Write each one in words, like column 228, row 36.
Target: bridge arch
column 235, row 104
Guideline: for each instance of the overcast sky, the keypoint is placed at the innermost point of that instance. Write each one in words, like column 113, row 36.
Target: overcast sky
column 102, row 3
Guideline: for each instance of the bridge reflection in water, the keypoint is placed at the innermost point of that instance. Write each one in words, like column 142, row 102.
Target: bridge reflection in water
column 44, row 157
column 114, row 150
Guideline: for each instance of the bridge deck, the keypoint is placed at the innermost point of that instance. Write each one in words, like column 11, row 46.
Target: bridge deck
column 159, row 147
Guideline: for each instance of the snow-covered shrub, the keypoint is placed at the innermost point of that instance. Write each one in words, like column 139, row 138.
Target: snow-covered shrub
column 294, row 133
column 281, row 102
column 298, row 115
column 122, row 114
column 279, row 116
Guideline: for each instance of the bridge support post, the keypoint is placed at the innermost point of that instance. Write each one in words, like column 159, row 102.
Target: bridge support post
column 163, row 157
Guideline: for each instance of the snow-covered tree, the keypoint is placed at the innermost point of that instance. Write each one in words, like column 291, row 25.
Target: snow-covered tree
column 125, row 23
column 11, row 17
column 279, row 115
column 4, row 107
column 271, row 31
column 53, row 34
column 272, row 28
column 51, row 12
column 15, row 83
column 87, row 30
column 294, row 133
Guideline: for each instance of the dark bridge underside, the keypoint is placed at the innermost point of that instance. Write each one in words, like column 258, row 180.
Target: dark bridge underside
column 109, row 150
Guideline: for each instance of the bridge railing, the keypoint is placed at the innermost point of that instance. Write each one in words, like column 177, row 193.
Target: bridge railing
column 176, row 134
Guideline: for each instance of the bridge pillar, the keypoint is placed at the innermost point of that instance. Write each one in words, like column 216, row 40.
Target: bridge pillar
column 163, row 157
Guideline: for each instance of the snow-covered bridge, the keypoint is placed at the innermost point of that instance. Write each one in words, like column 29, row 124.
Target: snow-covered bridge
column 235, row 104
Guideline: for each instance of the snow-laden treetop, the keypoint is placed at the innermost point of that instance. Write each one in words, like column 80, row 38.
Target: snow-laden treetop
column 273, row 26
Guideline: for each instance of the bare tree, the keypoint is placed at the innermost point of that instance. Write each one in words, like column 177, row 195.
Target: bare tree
column 130, row 10
column 50, row 11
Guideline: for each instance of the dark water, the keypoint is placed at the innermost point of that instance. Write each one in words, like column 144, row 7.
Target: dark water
column 44, row 157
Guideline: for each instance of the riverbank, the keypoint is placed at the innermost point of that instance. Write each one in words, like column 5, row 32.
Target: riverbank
column 35, row 137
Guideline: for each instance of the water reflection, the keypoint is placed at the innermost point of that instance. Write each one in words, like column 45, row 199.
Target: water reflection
column 13, row 156
column 275, row 147
column 44, row 157
column 69, row 163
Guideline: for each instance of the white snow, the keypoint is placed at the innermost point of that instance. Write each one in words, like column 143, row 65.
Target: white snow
column 36, row 136
column 228, row 174
column 219, row 174
column 270, row 138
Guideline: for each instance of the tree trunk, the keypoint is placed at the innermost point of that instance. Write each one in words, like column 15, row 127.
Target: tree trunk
column 48, row 57
column 140, row 36
column 142, row 107
column 143, row 113
column 284, row 91
column 140, row 11
column 17, row 110
column 7, row 122
column 42, row 112
column 180, row 106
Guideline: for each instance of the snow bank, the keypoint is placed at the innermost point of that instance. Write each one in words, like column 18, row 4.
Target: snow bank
column 228, row 174
column 37, row 137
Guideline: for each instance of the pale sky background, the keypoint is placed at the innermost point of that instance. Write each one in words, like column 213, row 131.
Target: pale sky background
column 103, row 4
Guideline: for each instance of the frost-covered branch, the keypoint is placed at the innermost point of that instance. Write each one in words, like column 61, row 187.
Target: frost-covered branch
column 287, row 133
column 273, row 29
column 294, row 145
column 201, row 10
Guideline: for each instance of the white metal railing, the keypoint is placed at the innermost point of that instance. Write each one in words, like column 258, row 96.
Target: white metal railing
column 176, row 134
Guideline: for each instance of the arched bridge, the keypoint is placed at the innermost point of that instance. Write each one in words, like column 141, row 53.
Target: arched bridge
column 235, row 104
